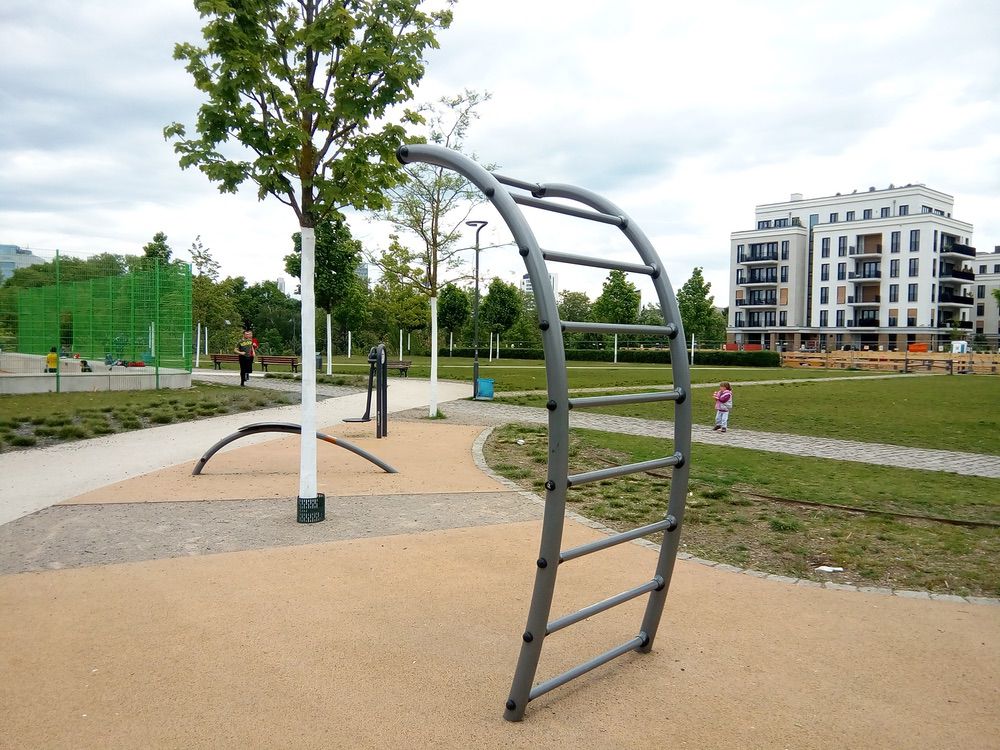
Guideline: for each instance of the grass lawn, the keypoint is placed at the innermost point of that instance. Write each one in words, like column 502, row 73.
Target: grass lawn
column 940, row 412
column 529, row 374
column 742, row 510
column 42, row 419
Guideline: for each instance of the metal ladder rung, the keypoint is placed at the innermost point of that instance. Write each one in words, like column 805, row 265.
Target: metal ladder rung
column 669, row 330
column 590, row 402
column 619, row 471
column 667, row 524
column 611, row 265
column 543, row 687
column 560, row 208
column 603, row 605
column 531, row 187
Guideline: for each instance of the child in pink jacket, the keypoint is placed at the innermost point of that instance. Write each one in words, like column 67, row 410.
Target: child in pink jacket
column 723, row 405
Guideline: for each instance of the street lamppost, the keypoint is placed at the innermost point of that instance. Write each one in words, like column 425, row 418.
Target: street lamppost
column 475, row 313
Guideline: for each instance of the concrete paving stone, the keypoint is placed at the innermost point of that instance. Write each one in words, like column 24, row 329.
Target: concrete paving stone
column 782, row 579
column 839, row 586
column 984, row 600
column 730, row 568
column 949, row 598
column 907, row 594
column 875, row 590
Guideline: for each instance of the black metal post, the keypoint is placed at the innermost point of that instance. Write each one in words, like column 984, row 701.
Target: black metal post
column 475, row 314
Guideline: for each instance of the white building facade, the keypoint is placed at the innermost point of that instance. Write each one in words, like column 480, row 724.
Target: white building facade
column 882, row 268
column 987, row 313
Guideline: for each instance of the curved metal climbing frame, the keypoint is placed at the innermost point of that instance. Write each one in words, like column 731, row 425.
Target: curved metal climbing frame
column 506, row 195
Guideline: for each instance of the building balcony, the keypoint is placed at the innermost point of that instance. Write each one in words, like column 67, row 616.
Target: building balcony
column 957, row 249
column 864, row 275
column 956, row 273
column 863, row 323
column 770, row 302
column 951, row 323
column 766, row 280
column 954, row 299
column 864, row 251
column 757, row 258
column 870, row 302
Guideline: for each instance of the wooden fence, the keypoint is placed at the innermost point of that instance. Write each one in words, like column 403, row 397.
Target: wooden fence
column 939, row 362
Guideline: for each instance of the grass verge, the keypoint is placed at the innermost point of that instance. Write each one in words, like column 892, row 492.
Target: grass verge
column 732, row 517
column 44, row 419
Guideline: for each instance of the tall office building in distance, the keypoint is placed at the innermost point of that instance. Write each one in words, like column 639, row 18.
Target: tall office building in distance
column 882, row 268
column 13, row 257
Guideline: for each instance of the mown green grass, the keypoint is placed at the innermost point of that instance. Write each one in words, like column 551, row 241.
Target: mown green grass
column 529, row 374
column 731, row 516
column 939, row 412
column 42, row 419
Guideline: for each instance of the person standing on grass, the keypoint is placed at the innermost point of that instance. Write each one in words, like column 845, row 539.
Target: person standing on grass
column 723, row 405
column 247, row 349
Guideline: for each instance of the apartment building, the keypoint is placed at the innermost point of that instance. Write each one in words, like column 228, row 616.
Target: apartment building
column 987, row 315
column 877, row 268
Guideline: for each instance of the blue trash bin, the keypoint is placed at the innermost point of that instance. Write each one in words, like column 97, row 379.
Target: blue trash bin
column 485, row 391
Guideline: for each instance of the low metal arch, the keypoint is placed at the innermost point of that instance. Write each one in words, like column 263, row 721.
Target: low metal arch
column 292, row 428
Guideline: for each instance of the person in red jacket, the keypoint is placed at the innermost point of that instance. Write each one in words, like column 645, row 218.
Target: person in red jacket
column 723, row 405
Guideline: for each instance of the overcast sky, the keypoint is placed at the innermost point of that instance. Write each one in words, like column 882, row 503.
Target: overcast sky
column 686, row 115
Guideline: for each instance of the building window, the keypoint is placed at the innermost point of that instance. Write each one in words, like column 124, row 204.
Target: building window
column 784, row 274
column 824, row 318
column 925, row 209
column 842, row 246
column 784, row 249
column 911, row 293
column 825, row 247
column 841, row 271
column 894, row 269
column 850, row 216
column 982, row 268
column 894, row 292
column 904, row 210
column 833, row 218
column 893, row 321
column 783, row 318
column 866, row 214
column 763, row 224
column 980, row 309
column 886, row 212
column 840, row 318
column 824, row 295
column 996, row 268
column 779, row 223
column 914, row 267
column 894, row 242
column 914, row 240
column 824, row 272
column 981, row 291
column 934, row 267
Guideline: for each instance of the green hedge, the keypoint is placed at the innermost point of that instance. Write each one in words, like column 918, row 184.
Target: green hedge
column 716, row 357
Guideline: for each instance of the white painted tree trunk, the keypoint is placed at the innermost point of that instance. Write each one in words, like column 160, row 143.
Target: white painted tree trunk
column 307, row 450
column 329, row 346
column 400, row 343
column 197, row 347
column 348, row 344
column 433, row 408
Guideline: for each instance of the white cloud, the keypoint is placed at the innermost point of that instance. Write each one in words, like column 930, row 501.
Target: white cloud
column 685, row 115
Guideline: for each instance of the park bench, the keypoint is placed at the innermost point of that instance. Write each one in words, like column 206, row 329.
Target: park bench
column 403, row 365
column 274, row 359
column 218, row 359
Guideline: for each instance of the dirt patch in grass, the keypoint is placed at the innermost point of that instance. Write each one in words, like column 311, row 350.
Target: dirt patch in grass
column 730, row 518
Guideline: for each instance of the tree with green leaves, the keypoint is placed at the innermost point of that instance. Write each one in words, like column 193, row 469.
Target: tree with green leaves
column 309, row 88
column 501, row 307
column 432, row 205
column 454, row 308
column 699, row 315
column 574, row 306
column 202, row 261
column 619, row 300
column 158, row 248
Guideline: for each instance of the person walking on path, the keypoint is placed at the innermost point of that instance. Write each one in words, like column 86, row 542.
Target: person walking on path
column 723, row 405
column 247, row 349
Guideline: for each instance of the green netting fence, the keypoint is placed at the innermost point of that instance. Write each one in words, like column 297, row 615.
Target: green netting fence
column 109, row 313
